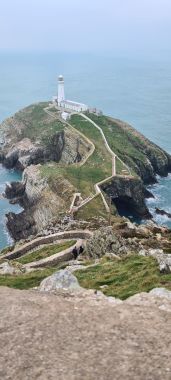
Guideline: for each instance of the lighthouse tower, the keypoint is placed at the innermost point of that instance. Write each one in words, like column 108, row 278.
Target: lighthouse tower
column 61, row 93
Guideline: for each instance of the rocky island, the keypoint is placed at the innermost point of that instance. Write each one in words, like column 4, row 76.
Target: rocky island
column 60, row 159
column 78, row 176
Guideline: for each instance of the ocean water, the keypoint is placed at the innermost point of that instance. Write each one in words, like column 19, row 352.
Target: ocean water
column 129, row 88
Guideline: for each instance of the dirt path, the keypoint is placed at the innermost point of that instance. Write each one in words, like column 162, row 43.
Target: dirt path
column 111, row 152
column 45, row 240
column 57, row 258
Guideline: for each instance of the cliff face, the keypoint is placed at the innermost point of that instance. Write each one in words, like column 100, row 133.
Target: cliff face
column 25, row 153
column 157, row 160
column 42, row 205
column 144, row 157
column 31, row 137
column 128, row 193
column 150, row 160
column 45, row 149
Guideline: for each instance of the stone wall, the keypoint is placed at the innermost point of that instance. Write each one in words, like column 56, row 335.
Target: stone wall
column 80, row 234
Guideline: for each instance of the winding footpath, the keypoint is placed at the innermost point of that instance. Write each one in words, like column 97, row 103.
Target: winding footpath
column 79, row 235
column 114, row 156
column 97, row 186
column 36, row 243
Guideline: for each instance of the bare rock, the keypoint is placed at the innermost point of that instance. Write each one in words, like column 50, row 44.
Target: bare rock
column 21, row 225
column 62, row 279
column 162, row 212
column 47, row 336
column 14, row 190
column 164, row 260
column 130, row 192
column 161, row 292
column 6, row 268
column 104, row 240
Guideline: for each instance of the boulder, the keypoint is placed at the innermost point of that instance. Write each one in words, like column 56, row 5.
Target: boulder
column 21, row 225
column 161, row 292
column 61, row 280
column 164, row 267
column 103, row 241
column 164, row 260
column 14, row 190
column 6, row 268
column 156, row 229
column 162, row 212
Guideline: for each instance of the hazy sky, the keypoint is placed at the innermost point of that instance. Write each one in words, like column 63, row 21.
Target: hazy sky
column 86, row 25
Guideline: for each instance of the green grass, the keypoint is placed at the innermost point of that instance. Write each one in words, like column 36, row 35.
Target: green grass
column 83, row 178
column 99, row 164
column 44, row 252
column 123, row 142
column 95, row 208
column 101, row 155
column 27, row 280
column 97, row 167
column 131, row 275
column 37, row 124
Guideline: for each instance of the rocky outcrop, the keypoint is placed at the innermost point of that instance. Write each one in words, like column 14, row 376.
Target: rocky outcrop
column 129, row 193
column 105, row 241
column 8, row 269
column 46, row 336
column 157, row 161
column 126, row 238
column 145, row 157
column 161, row 293
column 76, row 148
column 30, row 137
column 42, row 203
column 23, row 153
column 163, row 259
column 162, row 212
column 26, row 153
column 21, row 225
column 62, row 279
column 15, row 190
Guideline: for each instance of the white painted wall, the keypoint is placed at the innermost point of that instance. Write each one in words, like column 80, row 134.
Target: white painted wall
column 61, row 92
column 74, row 107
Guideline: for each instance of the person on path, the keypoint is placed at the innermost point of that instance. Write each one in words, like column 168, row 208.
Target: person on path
column 81, row 250
column 75, row 253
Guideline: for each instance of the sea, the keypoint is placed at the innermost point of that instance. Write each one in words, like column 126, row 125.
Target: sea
column 134, row 89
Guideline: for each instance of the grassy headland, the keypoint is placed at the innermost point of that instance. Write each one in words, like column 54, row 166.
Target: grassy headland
column 96, row 168
column 37, row 125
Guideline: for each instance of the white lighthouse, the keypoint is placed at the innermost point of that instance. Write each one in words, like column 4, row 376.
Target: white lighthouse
column 67, row 105
column 61, row 92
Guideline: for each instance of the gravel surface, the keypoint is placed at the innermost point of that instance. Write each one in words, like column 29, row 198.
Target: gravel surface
column 87, row 336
